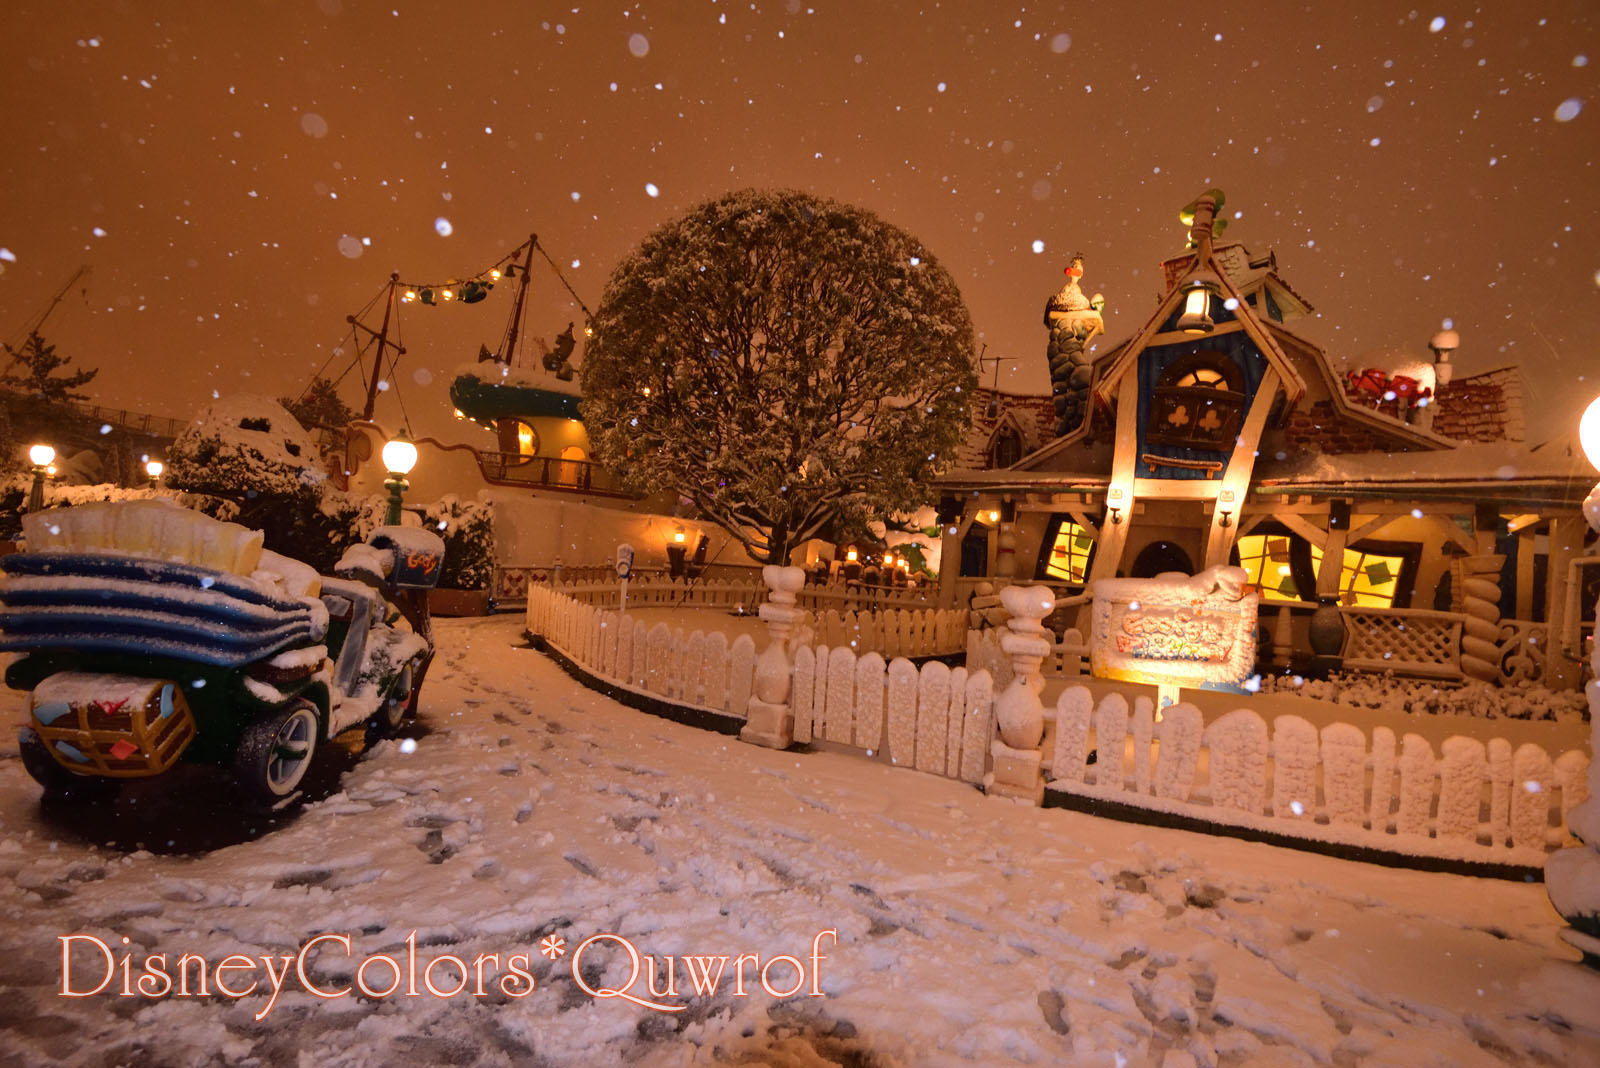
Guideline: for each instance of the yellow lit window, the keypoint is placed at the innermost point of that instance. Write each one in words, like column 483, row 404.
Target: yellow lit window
column 1069, row 556
column 1207, row 377
column 1367, row 580
column 527, row 440
column 1265, row 559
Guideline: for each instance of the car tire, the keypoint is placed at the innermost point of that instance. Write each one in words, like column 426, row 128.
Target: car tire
column 398, row 705
column 59, row 783
column 275, row 752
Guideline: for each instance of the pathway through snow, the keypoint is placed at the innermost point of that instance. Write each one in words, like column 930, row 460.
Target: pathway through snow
column 970, row 930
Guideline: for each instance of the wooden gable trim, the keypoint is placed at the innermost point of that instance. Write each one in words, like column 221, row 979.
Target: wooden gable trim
column 1109, row 379
column 1294, row 385
column 1315, row 535
column 1050, row 448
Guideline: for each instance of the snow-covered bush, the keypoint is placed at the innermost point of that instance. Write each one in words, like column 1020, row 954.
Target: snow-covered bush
column 1424, row 697
column 14, row 496
column 467, row 528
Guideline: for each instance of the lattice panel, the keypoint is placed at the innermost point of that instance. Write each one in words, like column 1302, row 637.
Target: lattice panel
column 1398, row 640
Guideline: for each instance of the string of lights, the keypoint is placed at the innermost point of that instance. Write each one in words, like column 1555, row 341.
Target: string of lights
column 468, row 290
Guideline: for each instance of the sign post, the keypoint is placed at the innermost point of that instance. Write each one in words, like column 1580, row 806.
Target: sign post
column 624, row 569
column 1175, row 630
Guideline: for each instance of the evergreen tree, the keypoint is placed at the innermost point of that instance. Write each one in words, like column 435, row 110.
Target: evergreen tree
column 320, row 406
column 38, row 378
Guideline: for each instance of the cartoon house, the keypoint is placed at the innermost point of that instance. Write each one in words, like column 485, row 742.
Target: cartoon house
column 1409, row 507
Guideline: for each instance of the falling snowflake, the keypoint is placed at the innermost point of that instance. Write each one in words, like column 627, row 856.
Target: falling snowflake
column 442, row 227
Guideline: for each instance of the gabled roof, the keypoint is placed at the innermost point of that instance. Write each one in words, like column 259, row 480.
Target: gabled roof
column 1205, row 258
column 1033, row 416
column 1380, row 429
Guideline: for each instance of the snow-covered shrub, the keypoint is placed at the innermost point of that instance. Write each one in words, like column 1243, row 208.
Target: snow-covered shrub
column 14, row 496
column 467, row 528
column 245, row 446
column 1424, row 697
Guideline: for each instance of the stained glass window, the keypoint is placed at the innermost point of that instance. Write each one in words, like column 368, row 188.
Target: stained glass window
column 1366, row 580
column 1265, row 559
column 1069, row 556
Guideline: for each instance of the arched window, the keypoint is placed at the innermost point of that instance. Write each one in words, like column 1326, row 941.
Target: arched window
column 1198, row 403
column 1006, row 449
column 519, row 442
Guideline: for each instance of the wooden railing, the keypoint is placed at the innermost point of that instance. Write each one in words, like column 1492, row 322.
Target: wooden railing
column 548, row 472
column 160, row 426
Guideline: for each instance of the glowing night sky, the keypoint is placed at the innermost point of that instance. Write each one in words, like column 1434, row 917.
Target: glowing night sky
column 242, row 176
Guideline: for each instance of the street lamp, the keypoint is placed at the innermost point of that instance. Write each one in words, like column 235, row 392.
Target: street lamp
column 677, row 549
column 399, row 457
column 1198, row 290
column 42, row 456
column 1572, row 875
column 1589, row 438
column 153, row 468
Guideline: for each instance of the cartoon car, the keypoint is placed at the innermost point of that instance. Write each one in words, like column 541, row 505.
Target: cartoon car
column 151, row 634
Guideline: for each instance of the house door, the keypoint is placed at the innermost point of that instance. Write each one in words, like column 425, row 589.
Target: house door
column 1161, row 556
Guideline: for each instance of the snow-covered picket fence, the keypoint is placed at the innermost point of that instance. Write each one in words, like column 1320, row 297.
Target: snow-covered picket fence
column 701, row 670
column 1472, row 801
column 1068, row 656
column 891, row 631
column 935, row 719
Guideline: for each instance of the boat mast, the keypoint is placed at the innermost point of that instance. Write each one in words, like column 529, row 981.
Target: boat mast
column 508, row 345
column 382, row 336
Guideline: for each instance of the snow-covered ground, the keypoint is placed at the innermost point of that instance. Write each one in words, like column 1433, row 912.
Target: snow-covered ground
column 969, row 930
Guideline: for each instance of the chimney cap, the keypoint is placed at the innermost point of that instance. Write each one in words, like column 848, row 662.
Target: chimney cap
column 1445, row 341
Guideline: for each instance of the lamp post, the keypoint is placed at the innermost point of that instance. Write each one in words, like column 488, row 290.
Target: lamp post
column 677, row 549
column 399, row 457
column 42, row 456
column 1572, row 875
column 153, row 468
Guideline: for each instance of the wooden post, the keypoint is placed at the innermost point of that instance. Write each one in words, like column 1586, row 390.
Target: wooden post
column 1114, row 532
column 1566, row 542
column 1333, row 549
column 1236, row 480
column 1282, row 638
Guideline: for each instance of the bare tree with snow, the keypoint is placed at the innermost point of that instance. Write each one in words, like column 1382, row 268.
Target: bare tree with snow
column 786, row 362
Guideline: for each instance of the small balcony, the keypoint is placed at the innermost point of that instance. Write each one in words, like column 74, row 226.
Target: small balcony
column 549, row 472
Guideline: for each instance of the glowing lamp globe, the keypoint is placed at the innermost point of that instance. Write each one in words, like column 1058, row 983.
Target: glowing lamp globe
column 42, row 455
column 154, row 468
column 399, row 456
column 1589, row 432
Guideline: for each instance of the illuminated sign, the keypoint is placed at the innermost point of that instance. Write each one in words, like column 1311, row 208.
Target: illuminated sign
column 1180, row 630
